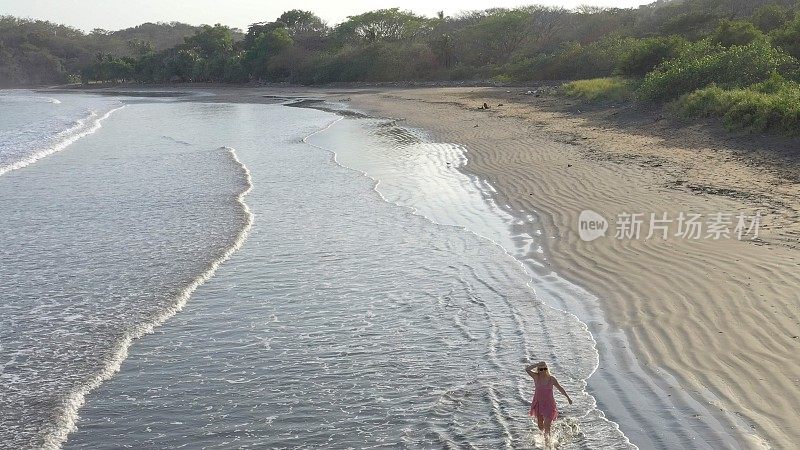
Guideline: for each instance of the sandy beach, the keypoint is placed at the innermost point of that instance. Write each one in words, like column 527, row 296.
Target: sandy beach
column 719, row 315
column 400, row 226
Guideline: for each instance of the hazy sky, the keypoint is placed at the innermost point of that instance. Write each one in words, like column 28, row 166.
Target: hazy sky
column 117, row 14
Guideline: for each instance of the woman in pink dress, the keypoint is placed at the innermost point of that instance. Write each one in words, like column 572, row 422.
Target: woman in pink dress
column 543, row 405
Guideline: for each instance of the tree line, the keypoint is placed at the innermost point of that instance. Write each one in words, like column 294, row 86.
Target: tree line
column 505, row 45
column 37, row 52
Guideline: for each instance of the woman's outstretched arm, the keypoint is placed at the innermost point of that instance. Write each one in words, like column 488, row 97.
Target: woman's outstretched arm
column 561, row 389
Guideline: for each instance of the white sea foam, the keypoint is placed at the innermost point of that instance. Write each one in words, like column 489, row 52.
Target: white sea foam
column 460, row 156
column 341, row 307
column 25, row 96
column 81, row 128
column 68, row 413
column 557, row 293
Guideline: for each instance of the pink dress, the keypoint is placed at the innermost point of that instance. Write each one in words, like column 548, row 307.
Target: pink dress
column 543, row 403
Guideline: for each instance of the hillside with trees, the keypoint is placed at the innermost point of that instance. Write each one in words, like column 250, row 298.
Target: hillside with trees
column 735, row 58
column 37, row 52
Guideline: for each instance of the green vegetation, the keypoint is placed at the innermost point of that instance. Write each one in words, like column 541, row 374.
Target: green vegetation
column 787, row 38
column 36, row 52
column 735, row 32
column 771, row 17
column 644, row 55
column 706, row 63
column 609, row 88
column 773, row 105
column 711, row 56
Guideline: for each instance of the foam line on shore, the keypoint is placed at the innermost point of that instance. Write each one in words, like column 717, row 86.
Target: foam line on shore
column 593, row 409
column 68, row 415
column 522, row 151
column 72, row 135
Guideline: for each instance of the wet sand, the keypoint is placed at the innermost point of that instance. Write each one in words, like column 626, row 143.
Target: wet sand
column 719, row 315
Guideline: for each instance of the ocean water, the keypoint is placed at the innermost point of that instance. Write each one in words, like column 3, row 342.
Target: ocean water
column 36, row 125
column 199, row 275
column 99, row 245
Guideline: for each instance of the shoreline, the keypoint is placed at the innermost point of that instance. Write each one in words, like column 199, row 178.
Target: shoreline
column 648, row 305
column 646, row 288
column 651, row 391
column 501, row 234
column 507, row 392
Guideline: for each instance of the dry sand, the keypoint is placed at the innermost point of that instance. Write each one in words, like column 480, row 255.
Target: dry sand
column 723, row 316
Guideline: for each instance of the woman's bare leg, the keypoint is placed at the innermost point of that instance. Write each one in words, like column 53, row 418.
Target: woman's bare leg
column 540, row 422
column 547, row 423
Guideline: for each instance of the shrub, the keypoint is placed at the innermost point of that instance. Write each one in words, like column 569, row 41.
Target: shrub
column 462, row 72
column 379, row 61
column 573, row 60
column 737, row 66
column 609, row 88
column 735, row 32
column 601, row 58
column 502, row 78
column 643, row 55
column 691, row 25
column 559, row 65
column 772, row 85
column 770, row 106
column 528, row 69
column 770, row 17
column 788, row 38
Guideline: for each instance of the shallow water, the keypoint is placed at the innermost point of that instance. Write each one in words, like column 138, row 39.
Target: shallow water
column 343, row 320
column 35, row 125
column 98, row 243
column 347, row 318
column 432, row 178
